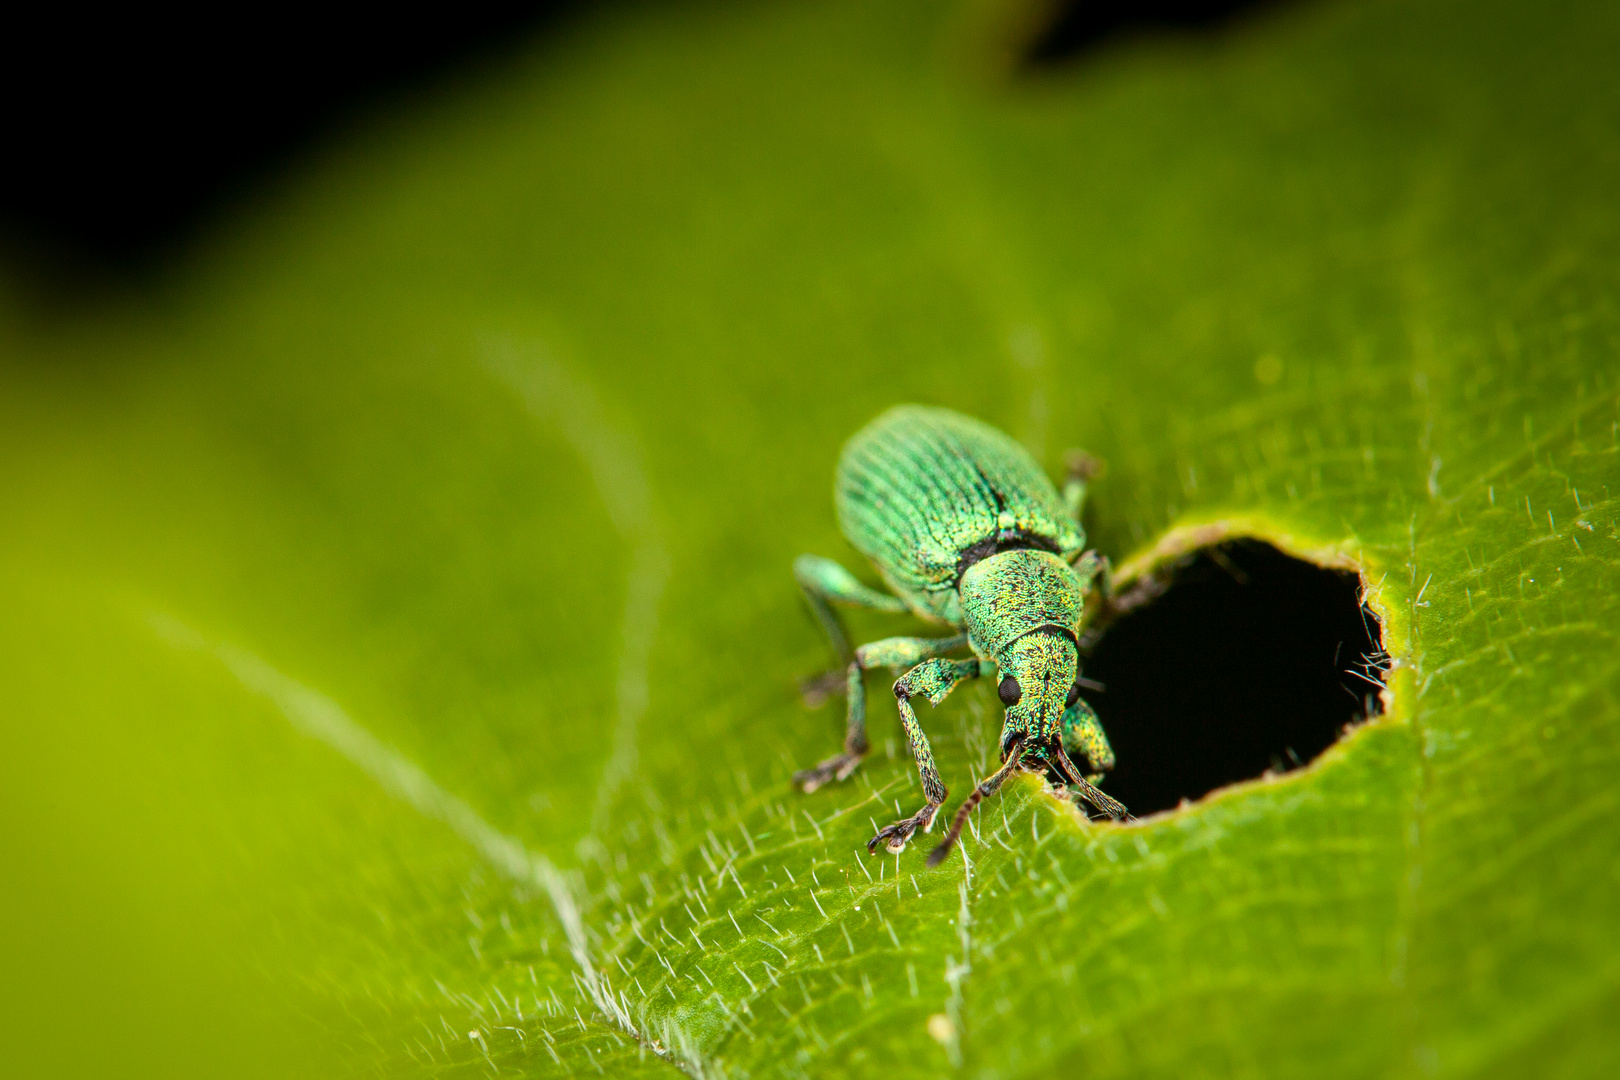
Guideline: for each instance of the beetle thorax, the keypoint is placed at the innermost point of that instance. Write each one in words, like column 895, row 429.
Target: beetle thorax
column 1015, row 593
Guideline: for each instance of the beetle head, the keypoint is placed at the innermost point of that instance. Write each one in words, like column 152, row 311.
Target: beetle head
column 1037, row 679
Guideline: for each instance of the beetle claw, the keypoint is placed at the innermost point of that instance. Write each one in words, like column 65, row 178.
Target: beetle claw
column 834, row 768
column 893, row 837
column 818, row 688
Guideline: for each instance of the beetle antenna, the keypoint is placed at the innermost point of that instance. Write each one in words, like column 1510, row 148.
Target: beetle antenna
column 987, row 787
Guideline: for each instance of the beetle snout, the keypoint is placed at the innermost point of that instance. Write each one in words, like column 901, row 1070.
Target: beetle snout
column 1037, row 673
column 1014, row 741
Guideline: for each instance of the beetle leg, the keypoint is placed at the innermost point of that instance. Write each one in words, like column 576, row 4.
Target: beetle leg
column 1084, row 789
column 932, row 679
column 1108, row 603
column 1141, row 591
column 894, row 837
column 826, row 583
column 1083, row 733
column 1082, row 469
column 889, row 652
column 902, row 653
column 839, row 766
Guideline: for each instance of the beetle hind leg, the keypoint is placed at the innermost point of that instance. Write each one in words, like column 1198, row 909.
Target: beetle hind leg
column 1082, row 468
column 826, row 583
column 893, row 652
column 816, row 690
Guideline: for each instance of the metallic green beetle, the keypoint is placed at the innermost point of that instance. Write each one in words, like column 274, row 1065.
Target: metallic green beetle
column 966, row 530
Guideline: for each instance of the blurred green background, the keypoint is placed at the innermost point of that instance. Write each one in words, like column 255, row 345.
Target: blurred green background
column 399, row 651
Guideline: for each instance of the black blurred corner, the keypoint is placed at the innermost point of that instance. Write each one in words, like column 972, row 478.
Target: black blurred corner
column 129, row 128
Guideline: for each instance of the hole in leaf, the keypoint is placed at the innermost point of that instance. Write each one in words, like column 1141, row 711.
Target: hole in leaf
column 1251, row 660
column 1079, row 25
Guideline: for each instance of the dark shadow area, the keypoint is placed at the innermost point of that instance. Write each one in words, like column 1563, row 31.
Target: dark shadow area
column 1251, row 660
column 1081, row 25
column 129, row 126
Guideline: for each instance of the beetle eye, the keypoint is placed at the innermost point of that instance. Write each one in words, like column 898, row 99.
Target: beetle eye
column 1074, row 696
column 1010, row 691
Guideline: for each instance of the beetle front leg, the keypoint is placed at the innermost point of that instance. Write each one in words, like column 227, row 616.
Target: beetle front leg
column 933, row 680
column 894, row 837
column 896, row 652
column 1083, row 734
column 1083, row 790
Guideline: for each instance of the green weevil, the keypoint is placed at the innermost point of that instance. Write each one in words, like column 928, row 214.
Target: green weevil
column 966, row 530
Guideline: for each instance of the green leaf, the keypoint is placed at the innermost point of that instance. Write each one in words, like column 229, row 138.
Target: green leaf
column 400, row 651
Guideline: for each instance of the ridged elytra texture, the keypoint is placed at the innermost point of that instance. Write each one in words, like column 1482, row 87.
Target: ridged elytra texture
column 918, row 486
